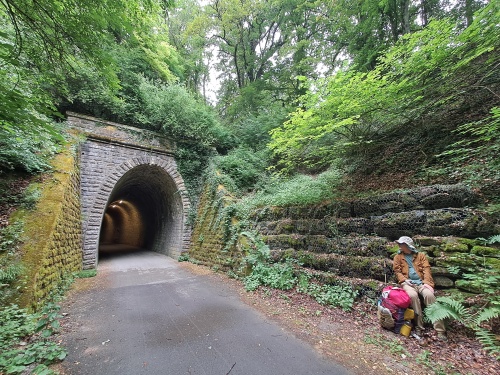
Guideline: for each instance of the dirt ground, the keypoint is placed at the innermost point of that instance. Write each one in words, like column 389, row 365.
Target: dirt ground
column 355, row 339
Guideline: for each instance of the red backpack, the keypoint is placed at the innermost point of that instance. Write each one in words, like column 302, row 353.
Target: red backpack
column 395, row 301
column 397, row 296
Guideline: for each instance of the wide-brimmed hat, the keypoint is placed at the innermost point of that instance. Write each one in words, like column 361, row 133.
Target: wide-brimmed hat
column 406, row 240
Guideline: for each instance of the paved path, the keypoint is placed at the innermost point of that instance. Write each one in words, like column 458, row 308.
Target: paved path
column 148, row 315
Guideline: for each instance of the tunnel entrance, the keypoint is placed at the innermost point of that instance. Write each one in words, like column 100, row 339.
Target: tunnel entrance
column 144, row 212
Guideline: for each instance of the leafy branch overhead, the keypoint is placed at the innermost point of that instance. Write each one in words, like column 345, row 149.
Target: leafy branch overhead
column 426, row 74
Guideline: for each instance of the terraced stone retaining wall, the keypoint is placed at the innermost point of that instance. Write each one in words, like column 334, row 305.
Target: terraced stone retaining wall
column 354, row 238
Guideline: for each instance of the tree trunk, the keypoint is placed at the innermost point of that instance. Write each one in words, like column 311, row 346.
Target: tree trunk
column 406, row 16
column 469, row 11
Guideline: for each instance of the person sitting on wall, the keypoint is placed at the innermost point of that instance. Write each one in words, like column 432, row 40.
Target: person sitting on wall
column 413, row 272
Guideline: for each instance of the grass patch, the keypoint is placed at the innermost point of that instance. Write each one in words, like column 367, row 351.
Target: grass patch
column 85, row 274
column 298, row 190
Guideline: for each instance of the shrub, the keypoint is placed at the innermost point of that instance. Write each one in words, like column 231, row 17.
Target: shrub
column 244, row 166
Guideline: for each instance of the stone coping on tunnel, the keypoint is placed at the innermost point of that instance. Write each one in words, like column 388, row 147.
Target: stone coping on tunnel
column 111, row 132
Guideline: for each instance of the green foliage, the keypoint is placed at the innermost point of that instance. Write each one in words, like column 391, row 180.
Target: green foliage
column 9, row 273
column 10, row 265
column 25, row 149
column 490, row 240
column 10, row 236
column 340, row 295
column 184, row 257
column 31, row 196
column 285, row 276
column 447, row 308
column 257, row 250
column 415, row 81
column 278, row 276
column 84, row 274
column 476, row 155
column 262, row 271
column 474, row 317
column 298, row 190
column 244, row 166
column 55, row 55
column 18, row 325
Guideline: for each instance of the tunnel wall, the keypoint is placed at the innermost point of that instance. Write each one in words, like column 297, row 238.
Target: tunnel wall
column 53, row 231
column 110, row 152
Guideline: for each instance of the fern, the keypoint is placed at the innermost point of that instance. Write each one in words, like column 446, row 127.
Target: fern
column 493, row 239
column 446, row 308
column 487, row 314
column 489, row 341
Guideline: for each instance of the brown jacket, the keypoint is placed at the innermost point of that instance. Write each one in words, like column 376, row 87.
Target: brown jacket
column 421, row 265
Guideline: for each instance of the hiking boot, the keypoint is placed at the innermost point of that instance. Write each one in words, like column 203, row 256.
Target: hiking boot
column 442, row 336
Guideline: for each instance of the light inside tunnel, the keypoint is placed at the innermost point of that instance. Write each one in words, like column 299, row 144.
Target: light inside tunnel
column 144, row 212
column 122, row 225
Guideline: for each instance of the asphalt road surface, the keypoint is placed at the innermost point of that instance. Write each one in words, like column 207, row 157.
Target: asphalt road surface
column 148, row 315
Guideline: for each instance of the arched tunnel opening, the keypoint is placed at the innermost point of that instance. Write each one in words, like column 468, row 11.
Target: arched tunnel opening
column 144, row 212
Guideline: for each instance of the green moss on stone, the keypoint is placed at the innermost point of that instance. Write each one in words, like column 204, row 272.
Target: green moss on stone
column 468, row 286
column 486, row 251
column 52, row 248
column 455, row 247
column 392, row 250
column 428, row 241
column 493, row 263
column 467, row 241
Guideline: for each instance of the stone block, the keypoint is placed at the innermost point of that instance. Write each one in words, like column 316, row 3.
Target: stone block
column 486, row 251
column 443, row 282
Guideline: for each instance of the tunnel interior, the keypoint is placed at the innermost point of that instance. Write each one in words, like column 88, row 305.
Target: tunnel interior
column 144, row 212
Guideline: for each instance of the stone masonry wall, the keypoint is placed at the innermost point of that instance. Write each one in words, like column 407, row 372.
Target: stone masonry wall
column 354, row 239
column 107, row 130
column 54, row 230
column 112, row 151
column 210, row 242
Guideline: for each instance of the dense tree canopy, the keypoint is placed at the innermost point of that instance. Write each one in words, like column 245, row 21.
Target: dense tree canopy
column 326, row 80
column 437, row 70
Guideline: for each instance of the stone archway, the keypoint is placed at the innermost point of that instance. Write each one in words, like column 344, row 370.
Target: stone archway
column 142, row 204
column 131, row 192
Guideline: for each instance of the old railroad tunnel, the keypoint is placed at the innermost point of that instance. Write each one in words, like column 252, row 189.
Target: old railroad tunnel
column 132, row 196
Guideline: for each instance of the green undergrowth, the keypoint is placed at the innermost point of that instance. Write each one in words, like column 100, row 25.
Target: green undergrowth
column 300, row 190
column 10, row 266
column 26, row 338
column 259, row 270
column 85, row 274
column 479, row 317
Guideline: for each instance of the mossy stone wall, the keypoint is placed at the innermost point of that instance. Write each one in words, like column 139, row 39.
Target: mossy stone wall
column 53, row 238
column 211, row 242
column 354, row 239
